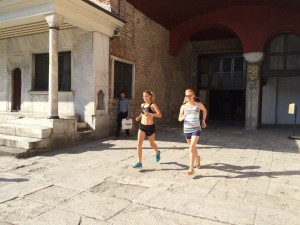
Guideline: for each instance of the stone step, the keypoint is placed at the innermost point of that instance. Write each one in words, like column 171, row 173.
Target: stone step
column 30, row 118
column 28, row 121
column 82, row 125
column 16, row 152
column 84, row 135
column 23, row 142
column 25, row 130
column 4, row 116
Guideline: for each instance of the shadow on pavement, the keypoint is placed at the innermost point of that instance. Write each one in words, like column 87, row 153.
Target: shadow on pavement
column 233, row 170
column 13, row 179
column 238, row 170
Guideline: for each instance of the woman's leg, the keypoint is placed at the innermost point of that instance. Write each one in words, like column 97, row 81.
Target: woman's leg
column 188, row 141
column 198, row 165
column 193, row 150
column 141, row 137
column 154, row 146
column 152, row 143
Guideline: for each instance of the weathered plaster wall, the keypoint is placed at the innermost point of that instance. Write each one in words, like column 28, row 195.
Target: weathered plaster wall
column 4, row 81
column 82, row 79
column 100, row 94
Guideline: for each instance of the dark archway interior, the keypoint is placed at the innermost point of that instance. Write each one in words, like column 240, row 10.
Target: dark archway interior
column 227, row 105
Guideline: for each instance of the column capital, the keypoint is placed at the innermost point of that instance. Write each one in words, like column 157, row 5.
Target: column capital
column 54, row 20
column 254, row 57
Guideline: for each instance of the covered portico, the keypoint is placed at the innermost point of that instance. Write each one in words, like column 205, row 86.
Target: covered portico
column 253, row 24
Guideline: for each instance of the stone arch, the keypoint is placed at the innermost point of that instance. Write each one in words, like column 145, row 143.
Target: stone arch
column 253, row 25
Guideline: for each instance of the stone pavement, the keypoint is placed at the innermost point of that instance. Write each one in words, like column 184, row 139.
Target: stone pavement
column 247, row 177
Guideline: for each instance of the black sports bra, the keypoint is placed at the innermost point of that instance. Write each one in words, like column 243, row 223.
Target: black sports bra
column 148, row 108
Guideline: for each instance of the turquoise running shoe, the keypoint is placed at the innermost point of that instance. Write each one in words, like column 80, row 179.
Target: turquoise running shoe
column 157, row 157
column 137, row 165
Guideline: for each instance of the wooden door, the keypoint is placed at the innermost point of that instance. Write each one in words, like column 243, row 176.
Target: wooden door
column 16, row 106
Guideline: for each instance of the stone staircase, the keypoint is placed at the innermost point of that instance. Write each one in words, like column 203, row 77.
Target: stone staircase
column 19, row 136
column 23, row 136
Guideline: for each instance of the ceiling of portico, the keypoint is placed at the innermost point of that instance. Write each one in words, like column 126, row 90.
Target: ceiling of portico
column 30, row 28
column 172, row 13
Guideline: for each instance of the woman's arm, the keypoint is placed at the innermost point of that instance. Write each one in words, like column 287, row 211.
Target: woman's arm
column 157, row 113
column 181, row 115
column 203, row 109
column 138, row 118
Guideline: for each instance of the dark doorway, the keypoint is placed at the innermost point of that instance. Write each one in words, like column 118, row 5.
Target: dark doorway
column 17, row 81
column 227, row 105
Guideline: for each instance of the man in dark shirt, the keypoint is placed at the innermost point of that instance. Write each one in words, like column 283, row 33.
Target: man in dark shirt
column 123, row 111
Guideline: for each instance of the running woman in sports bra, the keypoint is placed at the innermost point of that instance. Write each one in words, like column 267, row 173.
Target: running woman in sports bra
column 190, row 113
column 149, row 110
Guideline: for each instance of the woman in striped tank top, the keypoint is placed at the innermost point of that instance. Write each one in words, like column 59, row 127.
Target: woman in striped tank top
column 190, row 114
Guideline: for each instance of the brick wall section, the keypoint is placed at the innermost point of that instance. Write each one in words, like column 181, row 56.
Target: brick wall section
column 145, row 43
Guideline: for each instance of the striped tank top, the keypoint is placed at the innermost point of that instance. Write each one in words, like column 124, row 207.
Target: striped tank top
column 192, row 119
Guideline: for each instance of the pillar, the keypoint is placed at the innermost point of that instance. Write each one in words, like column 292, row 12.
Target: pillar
column 254, row 60
column 54, row 22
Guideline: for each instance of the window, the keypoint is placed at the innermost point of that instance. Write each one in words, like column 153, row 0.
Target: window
column 222, row 71
column 41, row 79
column 123, row 78
column 283, row 56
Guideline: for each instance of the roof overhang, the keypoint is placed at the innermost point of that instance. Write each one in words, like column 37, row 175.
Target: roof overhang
column 22, row 17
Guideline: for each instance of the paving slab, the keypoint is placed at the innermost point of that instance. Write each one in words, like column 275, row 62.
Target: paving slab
column 94, row 206
column 55, row 216
column 20, row 211
column 139, row 214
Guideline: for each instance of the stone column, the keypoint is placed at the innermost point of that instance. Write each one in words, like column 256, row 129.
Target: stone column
column 54, row 22
column 254, row 60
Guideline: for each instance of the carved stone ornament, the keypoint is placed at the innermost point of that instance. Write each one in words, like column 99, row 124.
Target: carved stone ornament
column 253, row 72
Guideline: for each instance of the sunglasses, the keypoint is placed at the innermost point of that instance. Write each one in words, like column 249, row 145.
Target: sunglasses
column 188, row 96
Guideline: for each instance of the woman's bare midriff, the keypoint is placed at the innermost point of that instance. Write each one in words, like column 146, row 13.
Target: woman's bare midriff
column 147, row 120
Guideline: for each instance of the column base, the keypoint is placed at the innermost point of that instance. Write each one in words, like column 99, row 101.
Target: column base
column 53, row 117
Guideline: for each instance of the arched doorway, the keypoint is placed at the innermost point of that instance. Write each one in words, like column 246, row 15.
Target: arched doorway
column 16, row 95
column 223, row 78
